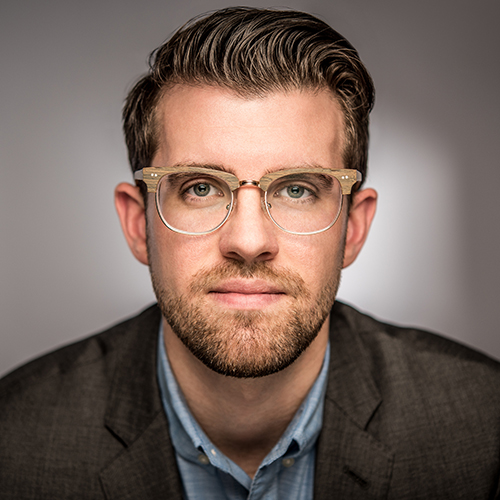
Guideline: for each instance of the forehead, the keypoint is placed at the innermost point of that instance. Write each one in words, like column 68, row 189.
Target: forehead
column 249, row 136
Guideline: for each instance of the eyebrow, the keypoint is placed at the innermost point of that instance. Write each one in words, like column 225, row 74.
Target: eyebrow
column 302, row 165
column 210, row 166
column 221, row 168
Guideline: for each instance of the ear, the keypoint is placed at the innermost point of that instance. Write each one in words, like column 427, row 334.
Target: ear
column 130, row 207
column 360, row 217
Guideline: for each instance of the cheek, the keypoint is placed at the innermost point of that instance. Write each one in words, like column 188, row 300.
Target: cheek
column 176, row 258
column 316, row 258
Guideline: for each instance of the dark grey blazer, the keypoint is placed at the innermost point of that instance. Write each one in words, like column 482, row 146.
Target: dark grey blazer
column 407, row 415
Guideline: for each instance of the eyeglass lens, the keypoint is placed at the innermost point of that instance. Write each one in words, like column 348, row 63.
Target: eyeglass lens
column 299, row 203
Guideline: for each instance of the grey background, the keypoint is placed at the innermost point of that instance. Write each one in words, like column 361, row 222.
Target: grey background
column 431, row 260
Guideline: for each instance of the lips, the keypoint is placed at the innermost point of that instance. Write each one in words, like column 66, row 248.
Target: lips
column 247, row 287
column 246, row 294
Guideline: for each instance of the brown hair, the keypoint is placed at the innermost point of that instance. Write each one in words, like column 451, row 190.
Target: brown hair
column 253, row 52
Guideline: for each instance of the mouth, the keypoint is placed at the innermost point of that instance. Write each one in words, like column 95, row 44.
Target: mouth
column 246, row 294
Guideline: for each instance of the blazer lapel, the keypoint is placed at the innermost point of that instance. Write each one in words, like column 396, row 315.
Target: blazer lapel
column 350, row 462
column 146, row 468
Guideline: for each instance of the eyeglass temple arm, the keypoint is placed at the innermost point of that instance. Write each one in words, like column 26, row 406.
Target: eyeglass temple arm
column 348, row 182
column 151, row 182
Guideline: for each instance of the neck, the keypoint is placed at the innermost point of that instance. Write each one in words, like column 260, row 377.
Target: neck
column 244, row 418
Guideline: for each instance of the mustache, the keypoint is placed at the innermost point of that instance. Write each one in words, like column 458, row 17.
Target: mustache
column 283, row 278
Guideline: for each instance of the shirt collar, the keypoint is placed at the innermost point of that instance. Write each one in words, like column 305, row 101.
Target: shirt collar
column 189, row 440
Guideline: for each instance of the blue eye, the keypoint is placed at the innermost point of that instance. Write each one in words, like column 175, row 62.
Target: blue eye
column 295, row 191
column 201, row 189
column 203, row 192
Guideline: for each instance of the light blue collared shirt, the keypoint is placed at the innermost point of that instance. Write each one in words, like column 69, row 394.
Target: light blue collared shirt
column 286, row 473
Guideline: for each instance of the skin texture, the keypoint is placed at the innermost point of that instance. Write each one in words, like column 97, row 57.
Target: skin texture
column 252, row 273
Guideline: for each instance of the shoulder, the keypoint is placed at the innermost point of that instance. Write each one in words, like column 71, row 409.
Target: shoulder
column 431, row 403
column 410, row 365
column 100, row 348
column 398, row 348
column 53, row 410
column 422, row 381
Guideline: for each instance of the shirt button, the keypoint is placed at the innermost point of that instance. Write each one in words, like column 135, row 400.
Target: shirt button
column 288, row 462
column 203, row 459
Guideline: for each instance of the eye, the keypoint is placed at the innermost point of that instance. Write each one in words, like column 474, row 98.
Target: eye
column 294, row 191
column 201, row 189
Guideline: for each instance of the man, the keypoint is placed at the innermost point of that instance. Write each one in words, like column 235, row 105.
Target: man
column 248, row 142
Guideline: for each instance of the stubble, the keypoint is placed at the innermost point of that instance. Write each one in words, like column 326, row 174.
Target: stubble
column 246, row 343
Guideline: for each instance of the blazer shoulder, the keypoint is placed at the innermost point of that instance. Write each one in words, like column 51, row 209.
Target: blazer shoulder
column 402, row 361
column 67, row 415
column 418, row 344
column 424, row 409
column 63, row 360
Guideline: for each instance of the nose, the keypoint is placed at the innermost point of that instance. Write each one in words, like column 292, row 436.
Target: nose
column 248, row 235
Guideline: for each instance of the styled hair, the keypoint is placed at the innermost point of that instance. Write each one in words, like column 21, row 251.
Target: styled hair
column 253, row 52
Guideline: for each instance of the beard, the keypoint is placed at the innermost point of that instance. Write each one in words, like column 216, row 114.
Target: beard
column 246, row 343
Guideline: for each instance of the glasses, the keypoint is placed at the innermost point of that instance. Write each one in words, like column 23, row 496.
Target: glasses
column 199, row 200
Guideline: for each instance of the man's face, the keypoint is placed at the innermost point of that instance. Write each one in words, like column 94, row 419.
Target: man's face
column 247, row 299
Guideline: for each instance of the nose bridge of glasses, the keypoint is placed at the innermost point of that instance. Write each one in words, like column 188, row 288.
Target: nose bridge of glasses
column 250, row 183
column 253, row 183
